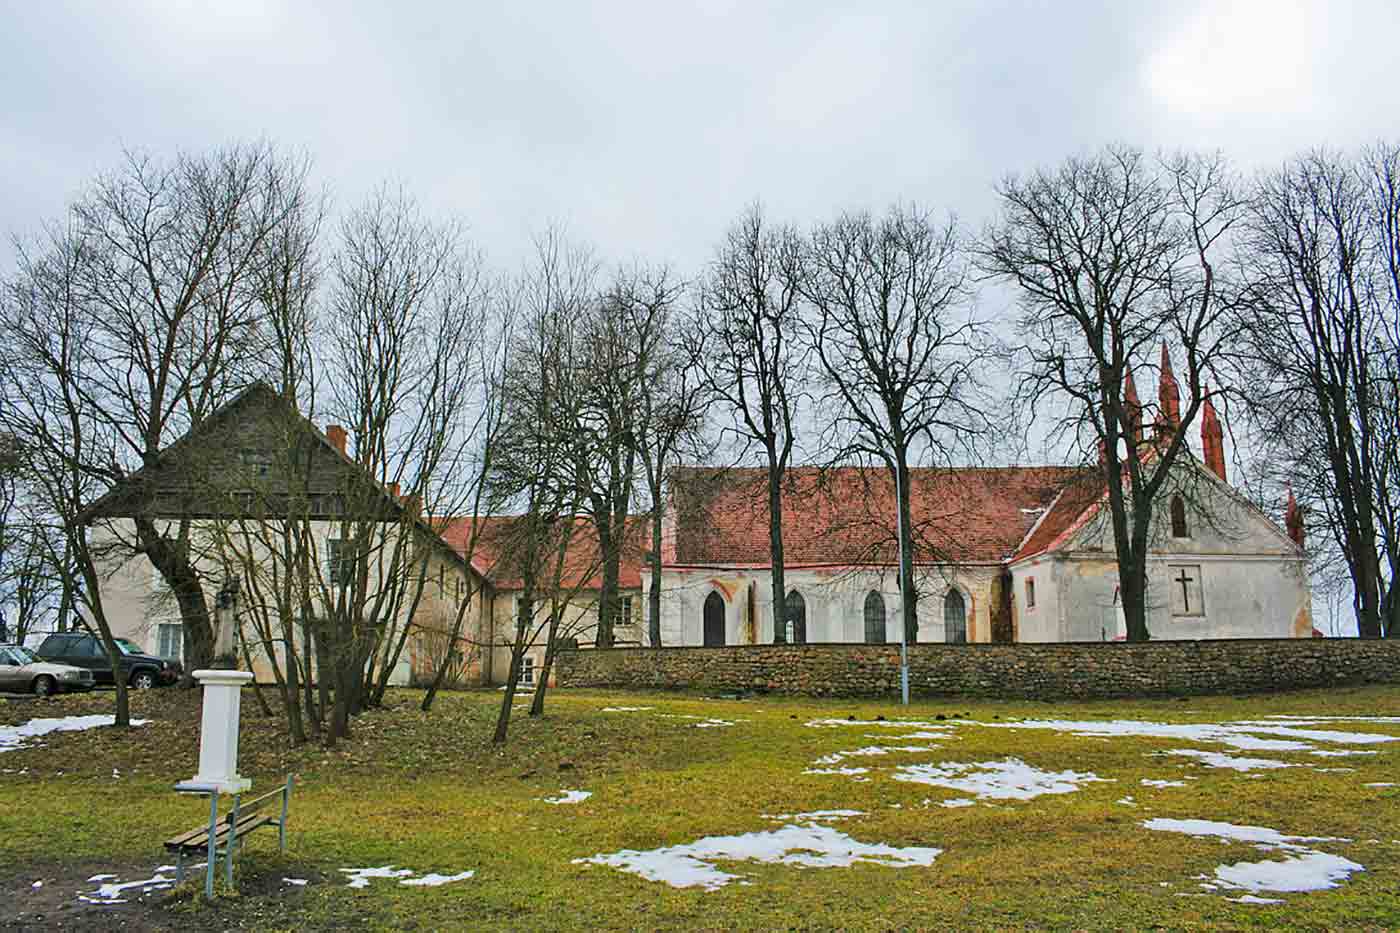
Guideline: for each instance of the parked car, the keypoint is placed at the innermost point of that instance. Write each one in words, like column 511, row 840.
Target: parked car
column 138, row 669
column 22, row 671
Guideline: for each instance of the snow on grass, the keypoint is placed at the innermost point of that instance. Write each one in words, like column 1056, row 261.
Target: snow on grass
column 845, row 771
column 956, row 802
column 1255, row 899
column 296, row 882
column 1340, row 752
column 1244, row 735
column 692, row 865
column 433, row 880
column 814, row 816
column 1381, row 784
column 1233, row 762
column 12, row 737
column 568, row 796
column 1311, row 871
column 361, row 877
column 1301, row 869
column 1007, row 779
column 1149, row 782
column 835, row 758
column 716, row 723
column 110, row 892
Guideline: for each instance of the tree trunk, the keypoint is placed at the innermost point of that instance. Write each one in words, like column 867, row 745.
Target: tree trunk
column 908, row 594
column 607, row 596
column 444, row 663
column 179, row 574
column 654, row 591
column 775, row 551
column 537, row 703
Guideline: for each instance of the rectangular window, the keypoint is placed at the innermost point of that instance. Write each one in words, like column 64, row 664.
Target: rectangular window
column 340, row 563
column 1030, row 592
column 170, row 642
column 256, row 463
column 527, row 671
column 1184, row 581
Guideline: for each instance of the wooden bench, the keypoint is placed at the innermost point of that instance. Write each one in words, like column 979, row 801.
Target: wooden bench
column 226, row 835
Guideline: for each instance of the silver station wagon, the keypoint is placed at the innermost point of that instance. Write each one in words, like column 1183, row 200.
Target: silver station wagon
column 22, row 671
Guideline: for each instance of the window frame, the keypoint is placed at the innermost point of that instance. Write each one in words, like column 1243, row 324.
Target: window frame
column 1030, row 593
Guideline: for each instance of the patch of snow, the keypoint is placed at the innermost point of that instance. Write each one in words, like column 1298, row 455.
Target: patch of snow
column 1254, row 899
column 1340, row 752
column 96, row 878
column 37, row 885
column 1243, row 735
column 956, row 802
column 1311, row 871
column 626, row 709
column 109, row 891
column 12, row 737
column 1149, row 782
column 815, row 816
column 1007, row 779
column 1302, row 869
column 847, row 771
column 299, row 882
column 1233, row 762
column 1127, row 801
column 568, row 796
column 1381, row 784
column 1335, row 770
column 715, row 723
column 876, row 724
column 692, row 864
column 433, row 880
column 360, row 877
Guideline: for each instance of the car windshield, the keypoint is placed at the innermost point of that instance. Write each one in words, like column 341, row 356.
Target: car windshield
column 23, row 655
column 127, row 647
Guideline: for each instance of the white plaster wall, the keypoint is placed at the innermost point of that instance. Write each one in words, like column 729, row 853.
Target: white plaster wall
column 835, row 602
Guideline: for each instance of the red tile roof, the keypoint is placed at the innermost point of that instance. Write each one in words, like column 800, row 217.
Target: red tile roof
column 499, row 540
column 846, row 516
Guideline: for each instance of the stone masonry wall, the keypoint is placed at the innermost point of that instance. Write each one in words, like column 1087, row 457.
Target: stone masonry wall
column 1054, row 671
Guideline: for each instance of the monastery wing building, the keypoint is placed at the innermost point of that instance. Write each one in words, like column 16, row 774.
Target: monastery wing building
column 1000, row 554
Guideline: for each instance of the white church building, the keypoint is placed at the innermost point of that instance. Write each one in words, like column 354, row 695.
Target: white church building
column 1001, row 554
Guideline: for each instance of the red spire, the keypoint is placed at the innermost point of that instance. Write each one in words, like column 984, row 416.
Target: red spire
column 1293, row 519
column 1133, row 414
column 1212, row 438
column 1168, row 398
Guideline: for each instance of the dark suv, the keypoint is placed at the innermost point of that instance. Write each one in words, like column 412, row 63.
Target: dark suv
column 138, row 669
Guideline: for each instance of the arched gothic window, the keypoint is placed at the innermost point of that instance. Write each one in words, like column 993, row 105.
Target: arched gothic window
column 796, row 618
column 954, row 618
column 874, row 618
column 1179, row 529
column 714, row 620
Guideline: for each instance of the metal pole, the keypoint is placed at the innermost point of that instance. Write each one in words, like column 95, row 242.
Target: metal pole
column 903, row 584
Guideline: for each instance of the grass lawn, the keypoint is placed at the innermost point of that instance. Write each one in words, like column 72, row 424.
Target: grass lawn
column 427, row 792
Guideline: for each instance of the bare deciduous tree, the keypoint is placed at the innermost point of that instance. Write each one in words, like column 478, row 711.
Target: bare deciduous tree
column 1321, row 352
column 1113, row 256
column 750, row 356
column 899, row 351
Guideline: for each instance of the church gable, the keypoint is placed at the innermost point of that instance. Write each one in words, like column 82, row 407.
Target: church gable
column 1198, row 513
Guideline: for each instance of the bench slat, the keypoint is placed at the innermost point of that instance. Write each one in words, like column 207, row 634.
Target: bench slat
column 198, row 840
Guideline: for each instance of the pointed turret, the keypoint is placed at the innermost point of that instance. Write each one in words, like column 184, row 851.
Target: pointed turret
column 1168, row 398
column 1134, row 412
column 1212, row 438
column 1293, row 519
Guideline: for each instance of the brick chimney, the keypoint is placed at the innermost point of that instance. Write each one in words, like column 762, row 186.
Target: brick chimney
column 1212, row 438
column 1168, row 399
column 1293, row 519
column 337, row 436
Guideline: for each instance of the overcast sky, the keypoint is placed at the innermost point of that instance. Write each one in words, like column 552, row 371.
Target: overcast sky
column 646, row 127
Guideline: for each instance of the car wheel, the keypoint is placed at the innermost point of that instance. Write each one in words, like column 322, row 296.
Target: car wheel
column 143, row 680
column 44, row 686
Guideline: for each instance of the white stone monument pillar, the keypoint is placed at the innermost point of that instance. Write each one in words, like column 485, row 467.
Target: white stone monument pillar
column 218, row 731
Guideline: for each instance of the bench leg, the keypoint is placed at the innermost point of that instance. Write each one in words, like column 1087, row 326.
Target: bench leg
column 179, row 866
column 213, row 847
